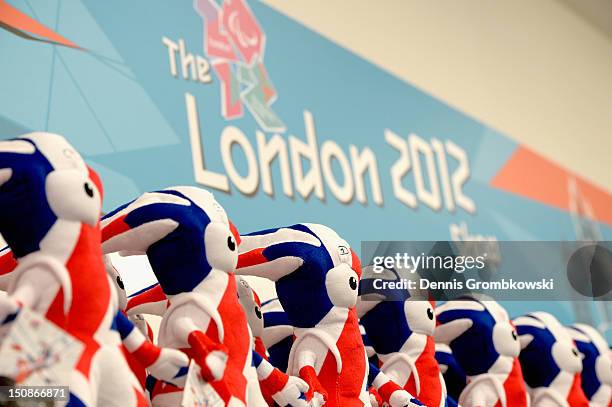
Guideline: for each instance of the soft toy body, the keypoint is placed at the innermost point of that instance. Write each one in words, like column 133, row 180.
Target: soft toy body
column 192, row 249
column 454, row 376
column 401, row 334
column 277, row 387
column 50, row 201
column 485, row 345
column 316, row 277
column 551, row 362
column 136, row 364
column 403, row 341
column 277, row 335
column 596, row 364
column 252, row 308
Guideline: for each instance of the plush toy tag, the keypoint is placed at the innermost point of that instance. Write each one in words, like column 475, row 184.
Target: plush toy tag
column 36, row 352
column 344, row 253
column 197, row 392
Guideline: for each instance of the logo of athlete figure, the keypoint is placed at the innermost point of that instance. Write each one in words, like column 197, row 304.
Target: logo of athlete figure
column 234, row 42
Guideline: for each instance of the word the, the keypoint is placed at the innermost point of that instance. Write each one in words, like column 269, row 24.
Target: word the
column 193, row 66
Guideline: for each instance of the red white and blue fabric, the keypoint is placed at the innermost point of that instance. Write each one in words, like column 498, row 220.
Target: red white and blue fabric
column 277, row 334
column 149, row 300
column 276, row 386
column 192, row 249
column 50, row 201
column 386, row 392
column 251, row 304
column 284, row 389
column 454, row 376
column 316, row 276
column 485, row 344
column 401, row 334
column 550, row 360
column 596, row 364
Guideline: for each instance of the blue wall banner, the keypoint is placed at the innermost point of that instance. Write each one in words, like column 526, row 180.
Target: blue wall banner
column 283, row 125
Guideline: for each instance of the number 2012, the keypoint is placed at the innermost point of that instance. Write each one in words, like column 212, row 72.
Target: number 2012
column 442, row 184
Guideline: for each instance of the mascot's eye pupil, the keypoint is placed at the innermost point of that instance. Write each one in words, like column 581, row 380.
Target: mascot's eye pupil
column 88, row 190
column 430, row 314
column 258, row 312
column 353, row 283
column 230, row 243
column 575, row 352
column 120, row 283
column 514, row 335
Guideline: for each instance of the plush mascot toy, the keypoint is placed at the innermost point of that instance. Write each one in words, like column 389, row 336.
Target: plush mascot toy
column 454, row 376
column 551, row 362
column 317, row 277
column 192, row 249
column 485, row 344
column 277, row 335
column 137, row 319
column 274, row 383
column 596, row 364
column 401, row 334
column 252, row 308
column 276, row 386
column 50, row 201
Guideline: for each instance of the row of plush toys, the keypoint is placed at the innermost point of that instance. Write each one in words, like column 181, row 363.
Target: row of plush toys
column 318, row 343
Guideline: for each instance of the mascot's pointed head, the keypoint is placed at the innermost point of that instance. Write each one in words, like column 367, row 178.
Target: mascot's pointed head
column 478, row 332
column 183, row 231
column 314, row 269
column 596, row 360
column 43, row 179
column 549, row 356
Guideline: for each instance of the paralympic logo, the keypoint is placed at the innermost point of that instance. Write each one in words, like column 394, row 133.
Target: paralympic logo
column 235, row 44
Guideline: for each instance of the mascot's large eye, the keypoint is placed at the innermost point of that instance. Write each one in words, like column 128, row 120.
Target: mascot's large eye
column 120, row 283
column 336, row 281
column 420, row 316
column 230, row 243
column 221, row 248
column 258, row 312
column 88, row 190
column 353, row 282
column 514, row 335
column 72, row 196
column 575, row 352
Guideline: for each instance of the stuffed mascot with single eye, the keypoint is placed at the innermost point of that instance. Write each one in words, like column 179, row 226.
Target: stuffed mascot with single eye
column 316, row 275
column 276, row 386
column 551, row 362
column 454, row 376
column 596, row 364
column 278, row 338
column 485, row 344
column 401, row 334
column 192, row 248
column 50, row 201
column 277, row 334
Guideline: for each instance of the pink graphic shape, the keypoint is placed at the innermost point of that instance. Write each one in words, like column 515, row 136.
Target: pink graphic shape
column 243, row 29
column 216, row 42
